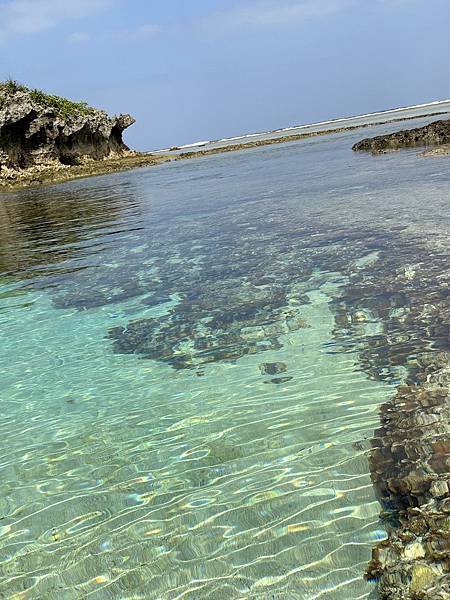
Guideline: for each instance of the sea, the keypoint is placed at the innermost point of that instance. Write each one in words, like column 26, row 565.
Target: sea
column 191, row 375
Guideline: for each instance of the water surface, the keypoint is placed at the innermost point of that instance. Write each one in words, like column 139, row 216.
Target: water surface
column 184, row 413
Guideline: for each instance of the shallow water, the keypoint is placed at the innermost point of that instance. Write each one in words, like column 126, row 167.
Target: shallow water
column 184, row 413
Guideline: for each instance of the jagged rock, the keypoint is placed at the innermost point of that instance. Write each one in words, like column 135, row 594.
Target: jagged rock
column 37, row 129
column 435, row 133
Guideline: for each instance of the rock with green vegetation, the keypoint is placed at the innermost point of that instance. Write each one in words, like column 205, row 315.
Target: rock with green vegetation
column 40, row 130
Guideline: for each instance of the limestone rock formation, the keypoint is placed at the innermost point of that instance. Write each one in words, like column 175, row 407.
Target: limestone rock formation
column 436, row 133
column 38, row 129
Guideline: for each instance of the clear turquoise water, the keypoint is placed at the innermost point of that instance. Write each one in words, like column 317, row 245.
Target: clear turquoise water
column 145, row 451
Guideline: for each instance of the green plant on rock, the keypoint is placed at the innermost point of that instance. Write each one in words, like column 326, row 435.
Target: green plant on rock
column 11, row 86
column 62, row 107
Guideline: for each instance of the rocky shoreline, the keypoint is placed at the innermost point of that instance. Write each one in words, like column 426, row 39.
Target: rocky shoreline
column 12, row 180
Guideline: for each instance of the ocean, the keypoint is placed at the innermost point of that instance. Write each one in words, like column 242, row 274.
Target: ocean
column 193, row 360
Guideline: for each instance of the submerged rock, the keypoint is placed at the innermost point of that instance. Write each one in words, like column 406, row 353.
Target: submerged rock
column 435, row 133
column 279, row 380
column 38, row 130
column 406, row 293
column 410, row 469
column 272, row 368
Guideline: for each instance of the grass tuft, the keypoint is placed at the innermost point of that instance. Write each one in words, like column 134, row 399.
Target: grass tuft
column 62, row 107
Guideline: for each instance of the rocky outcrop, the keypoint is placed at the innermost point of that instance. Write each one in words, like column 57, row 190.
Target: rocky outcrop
column 410, row 470
column 436, row 133
column 38, row 129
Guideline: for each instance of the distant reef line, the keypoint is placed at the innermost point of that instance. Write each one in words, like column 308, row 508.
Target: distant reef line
column 295, row 137
column 47, row 139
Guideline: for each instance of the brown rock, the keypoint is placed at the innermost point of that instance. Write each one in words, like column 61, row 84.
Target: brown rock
column 436, row 133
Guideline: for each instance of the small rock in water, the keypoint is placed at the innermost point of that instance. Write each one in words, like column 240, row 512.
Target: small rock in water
column 272, row 368
column 279, row 380
column 413, row 551
column 422, row 577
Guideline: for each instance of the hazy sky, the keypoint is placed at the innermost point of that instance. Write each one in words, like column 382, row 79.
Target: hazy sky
column 190, row 70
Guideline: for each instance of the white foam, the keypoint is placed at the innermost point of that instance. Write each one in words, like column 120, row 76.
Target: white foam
column 195, row 144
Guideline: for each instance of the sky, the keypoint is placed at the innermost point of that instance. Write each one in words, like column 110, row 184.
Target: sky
column 191, row 70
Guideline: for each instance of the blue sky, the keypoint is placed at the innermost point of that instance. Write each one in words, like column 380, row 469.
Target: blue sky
column 190, row 70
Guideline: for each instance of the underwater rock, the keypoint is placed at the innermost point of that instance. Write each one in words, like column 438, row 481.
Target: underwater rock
column 406, row 294
column 435, row 133
column 272, row 368
column 209, row 330
column 279, row 380
column 410, row 467
column 408, row 316
column 225, row 311
column 91, row 290
column 222, row 452
column 186, row 343
column 229, row 309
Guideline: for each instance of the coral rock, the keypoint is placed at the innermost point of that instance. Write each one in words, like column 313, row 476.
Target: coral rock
column 39, row 129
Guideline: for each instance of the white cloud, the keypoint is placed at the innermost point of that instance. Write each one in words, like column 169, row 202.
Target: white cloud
column 271, row 13
column 31, row 16
column 78, row 37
